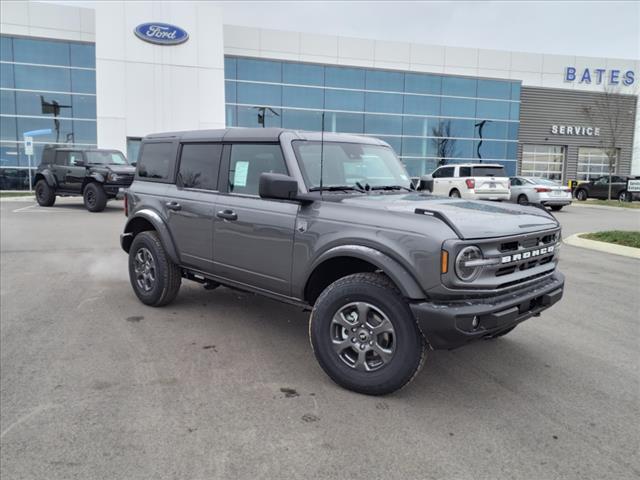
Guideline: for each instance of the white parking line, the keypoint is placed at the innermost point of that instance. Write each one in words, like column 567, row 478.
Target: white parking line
column 24, row 208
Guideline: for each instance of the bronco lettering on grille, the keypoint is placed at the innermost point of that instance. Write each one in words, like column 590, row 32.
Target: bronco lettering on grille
column 528, row 254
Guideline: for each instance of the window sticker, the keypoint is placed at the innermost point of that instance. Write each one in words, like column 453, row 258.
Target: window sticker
column 240, row 176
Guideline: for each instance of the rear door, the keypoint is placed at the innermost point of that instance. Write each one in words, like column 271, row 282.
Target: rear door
column 599, row 188
column 190, row 203
column 443, row 181
column 490, row 179
column 253, row 236
column 74, row 174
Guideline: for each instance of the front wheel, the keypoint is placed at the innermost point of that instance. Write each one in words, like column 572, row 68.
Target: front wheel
column 45, row 195
column 154, row 277
column 364, row 335
column 95, row 198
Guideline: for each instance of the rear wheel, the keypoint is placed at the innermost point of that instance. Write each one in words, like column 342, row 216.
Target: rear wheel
column 582, row 195
column 556, row 208
column 622, row 196
column 454, row 193
column 95, row 198
column 522, row 199
column 364, row 335
column 45, row 195
column 154, row 277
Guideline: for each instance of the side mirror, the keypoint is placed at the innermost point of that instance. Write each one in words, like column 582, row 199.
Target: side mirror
column 278, row 186
column 79, row 163
column 133, row 164
column 426, row 183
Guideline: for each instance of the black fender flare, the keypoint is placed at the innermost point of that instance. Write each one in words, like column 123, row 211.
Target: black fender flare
column 93, row 177
column 159, row 226
column 400, row 276
column 48, row 177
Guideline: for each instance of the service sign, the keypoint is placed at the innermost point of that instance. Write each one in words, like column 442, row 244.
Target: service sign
column 161, row 33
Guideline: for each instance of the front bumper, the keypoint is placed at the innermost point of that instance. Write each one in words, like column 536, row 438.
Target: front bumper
column 449, row 324
column 115, row 191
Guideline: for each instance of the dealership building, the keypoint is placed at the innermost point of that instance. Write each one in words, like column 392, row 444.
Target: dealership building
column 105, row 74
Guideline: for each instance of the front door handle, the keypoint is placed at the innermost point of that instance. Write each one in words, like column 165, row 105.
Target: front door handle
column 227, row 215
column 173, row 206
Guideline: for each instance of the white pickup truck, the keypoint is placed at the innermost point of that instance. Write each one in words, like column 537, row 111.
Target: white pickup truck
column 476, row 181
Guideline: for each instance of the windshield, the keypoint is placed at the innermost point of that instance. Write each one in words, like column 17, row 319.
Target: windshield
column 489, row 172
column 350, row 165
column 106, row 158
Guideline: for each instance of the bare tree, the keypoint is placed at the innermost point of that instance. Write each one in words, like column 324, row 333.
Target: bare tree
column 445, row 145
column 610, row 111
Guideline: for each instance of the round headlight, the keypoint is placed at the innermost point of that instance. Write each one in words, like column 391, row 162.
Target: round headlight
column 464, row 271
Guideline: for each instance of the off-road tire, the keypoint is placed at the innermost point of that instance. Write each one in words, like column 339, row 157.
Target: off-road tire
column 522, row 199
column 582, row 195
column 410, row 346
column 45, row 195
column 168, row 274
column 455, row 193
column 556, row 208
column 95, row 198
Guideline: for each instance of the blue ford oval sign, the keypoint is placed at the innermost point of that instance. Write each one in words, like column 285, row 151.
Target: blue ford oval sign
column 161, row 33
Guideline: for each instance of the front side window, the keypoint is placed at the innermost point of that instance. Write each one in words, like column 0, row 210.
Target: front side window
column 106, row 158
column 349, row 164
column 199, row 164
column 249, row 161
column 155, row 160
column 74, row 157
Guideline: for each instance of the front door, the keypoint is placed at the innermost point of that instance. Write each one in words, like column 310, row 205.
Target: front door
column 190, row 204
column 75, row 174
column 600, row 188
column 253, row 236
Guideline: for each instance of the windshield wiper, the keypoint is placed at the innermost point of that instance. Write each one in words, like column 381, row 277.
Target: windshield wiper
column 391, row 187
column 336, row 188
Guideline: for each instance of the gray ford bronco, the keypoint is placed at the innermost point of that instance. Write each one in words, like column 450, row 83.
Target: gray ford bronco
column 332, row 223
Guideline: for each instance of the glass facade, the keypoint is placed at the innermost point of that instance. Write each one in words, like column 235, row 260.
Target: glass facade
column 428, row 119
column 593, row 163
column 44, row 85
column 545, row 161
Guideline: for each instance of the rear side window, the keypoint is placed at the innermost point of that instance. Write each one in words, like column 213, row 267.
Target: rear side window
column 249, row 161
column 465, row 171
column 155, row 160
column 199, row 165
column 489, row 172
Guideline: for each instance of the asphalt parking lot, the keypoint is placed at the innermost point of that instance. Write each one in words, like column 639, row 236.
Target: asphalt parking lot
column 223, row 384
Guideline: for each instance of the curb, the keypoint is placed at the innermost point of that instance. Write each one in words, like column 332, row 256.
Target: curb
column 603, row 207
column 576, row 241
column 21, row 198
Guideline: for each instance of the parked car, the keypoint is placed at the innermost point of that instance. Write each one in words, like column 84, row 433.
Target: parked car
column 476, row 181
column 599, row 188
column 96, row 174
column 385, row 270
column 541, row 191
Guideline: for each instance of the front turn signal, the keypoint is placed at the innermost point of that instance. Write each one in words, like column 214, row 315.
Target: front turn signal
column 444, row 261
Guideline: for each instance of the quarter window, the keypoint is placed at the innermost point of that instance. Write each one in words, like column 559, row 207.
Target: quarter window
column 248, row 162
column 199, row 165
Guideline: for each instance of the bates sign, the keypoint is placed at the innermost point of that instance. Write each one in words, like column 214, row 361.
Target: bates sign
column 161, row 33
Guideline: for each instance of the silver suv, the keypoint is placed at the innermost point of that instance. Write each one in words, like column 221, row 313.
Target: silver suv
column 331, row 223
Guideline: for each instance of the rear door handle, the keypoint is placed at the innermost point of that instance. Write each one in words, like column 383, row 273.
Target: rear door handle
column 227, row 215
column 173, row 206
